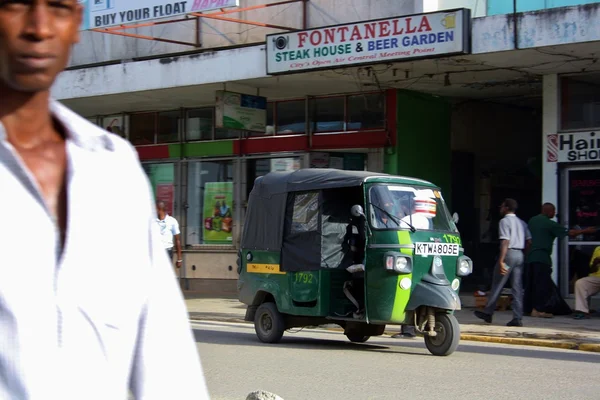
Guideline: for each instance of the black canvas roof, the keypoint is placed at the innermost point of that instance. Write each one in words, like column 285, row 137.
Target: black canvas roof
column 309, row 179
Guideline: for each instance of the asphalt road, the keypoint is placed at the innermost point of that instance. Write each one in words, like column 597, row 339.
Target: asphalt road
column 317, row 364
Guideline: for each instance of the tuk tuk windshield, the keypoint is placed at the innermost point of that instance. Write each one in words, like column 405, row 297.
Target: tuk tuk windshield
column 407, row 207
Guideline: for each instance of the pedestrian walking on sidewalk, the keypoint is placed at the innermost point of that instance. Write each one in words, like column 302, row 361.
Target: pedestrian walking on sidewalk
column 540, row 289
column 514, row 239
column 89, row 305
column 169, row 232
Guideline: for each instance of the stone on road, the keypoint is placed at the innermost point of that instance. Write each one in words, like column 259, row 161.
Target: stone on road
column 262, row 395
column 319, row 364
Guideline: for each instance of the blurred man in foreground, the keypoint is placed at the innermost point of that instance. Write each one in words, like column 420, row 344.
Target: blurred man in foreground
column 89, row 306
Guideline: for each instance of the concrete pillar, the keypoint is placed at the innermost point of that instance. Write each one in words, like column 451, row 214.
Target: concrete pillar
column 550, row 125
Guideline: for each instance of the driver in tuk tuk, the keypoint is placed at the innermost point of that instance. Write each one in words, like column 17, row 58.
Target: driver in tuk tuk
column 384, row 209
column 419, row 214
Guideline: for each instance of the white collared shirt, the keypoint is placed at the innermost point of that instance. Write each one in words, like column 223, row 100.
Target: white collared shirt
column 105, row 314
column 169, row 227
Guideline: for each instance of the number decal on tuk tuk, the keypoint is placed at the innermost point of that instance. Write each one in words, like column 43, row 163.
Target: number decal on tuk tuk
column 302, row 277
column 452, row 239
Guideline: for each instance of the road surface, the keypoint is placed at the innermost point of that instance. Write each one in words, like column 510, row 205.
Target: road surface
column 318, row 364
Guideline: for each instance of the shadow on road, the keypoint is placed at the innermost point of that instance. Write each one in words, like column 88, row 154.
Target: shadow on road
column 339, row 342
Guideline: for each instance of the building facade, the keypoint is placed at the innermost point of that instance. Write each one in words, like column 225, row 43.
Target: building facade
column 510, row 112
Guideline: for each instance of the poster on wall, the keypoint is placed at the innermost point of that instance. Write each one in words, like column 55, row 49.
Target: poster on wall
column 584, row 202
column 105, row 13
column 115, row 124
column 218, row 213
column 402, row 38
column 240, row 111
column 319, row 159
column 162, row 180
column 166, row 192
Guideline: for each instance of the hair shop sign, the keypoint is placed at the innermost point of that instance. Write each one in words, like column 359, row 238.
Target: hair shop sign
column 573, row 147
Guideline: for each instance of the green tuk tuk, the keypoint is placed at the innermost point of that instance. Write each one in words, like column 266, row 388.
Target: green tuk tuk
column 353, row 248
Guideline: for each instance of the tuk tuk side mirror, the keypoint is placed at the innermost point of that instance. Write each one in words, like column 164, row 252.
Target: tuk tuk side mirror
column 357, row 211
column 455, row 218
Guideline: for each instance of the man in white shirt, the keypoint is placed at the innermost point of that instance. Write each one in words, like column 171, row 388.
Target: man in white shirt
column 90, row 309
column 515, row 239
column 169, row 232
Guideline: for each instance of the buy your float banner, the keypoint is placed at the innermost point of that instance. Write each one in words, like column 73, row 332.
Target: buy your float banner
column 384, row 40
column 105, row 13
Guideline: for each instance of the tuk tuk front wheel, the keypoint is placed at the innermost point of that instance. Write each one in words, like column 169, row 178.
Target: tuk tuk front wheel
column 357, row 337
column 448, row 335
column 269, row 323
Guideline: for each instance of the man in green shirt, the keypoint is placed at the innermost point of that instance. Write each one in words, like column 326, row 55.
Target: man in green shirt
column 543, row 233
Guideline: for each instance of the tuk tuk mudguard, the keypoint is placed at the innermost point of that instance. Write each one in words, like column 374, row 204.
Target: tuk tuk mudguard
column 430, row 295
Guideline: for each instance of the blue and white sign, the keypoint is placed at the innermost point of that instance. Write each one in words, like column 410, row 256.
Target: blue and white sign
column 105, row 13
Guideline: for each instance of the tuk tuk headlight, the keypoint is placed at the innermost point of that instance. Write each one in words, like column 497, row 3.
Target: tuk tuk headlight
column 398, row 262
column 464, row 266
column 403, row 265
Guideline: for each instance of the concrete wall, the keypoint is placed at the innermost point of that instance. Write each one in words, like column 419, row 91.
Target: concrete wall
column 495, row 7
column 98, row 47
column 478, row 7
column 210, row 265
column 188, row 70
column 537, row 29
column 550, row 170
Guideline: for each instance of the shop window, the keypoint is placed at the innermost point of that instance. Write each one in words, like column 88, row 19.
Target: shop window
column 366, row 111
column 580, row 97
column 306, row 213
column 262, row 166
column 142, row 128
column 162, row 180
column 327, row 114
column 224, row 133
column 168, row 126
column 270, row 119
column 210, row 203
column 199, row 124
column 291, row 117
column 115, row 124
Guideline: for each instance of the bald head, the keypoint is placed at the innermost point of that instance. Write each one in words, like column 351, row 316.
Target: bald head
column 161, row 209
column 549, row 210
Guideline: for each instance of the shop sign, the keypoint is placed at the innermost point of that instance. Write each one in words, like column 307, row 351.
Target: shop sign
column 104, row 13
column 319, row 160
column 392, row 39
column 573, row 147
column 218, row 214
column 241, row 111
column 285, row 164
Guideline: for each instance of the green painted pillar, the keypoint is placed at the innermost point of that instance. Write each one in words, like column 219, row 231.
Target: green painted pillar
column 423, row 143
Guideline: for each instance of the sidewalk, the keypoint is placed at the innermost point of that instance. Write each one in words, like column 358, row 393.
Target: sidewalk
column 558, row 332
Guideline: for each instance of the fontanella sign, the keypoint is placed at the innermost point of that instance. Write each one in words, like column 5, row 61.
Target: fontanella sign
column 385, row 40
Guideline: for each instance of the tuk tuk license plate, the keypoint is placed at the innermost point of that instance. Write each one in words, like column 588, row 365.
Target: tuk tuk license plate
column 436, row 249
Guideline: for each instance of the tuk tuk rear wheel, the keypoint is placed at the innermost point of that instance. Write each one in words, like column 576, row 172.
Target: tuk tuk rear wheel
column 447, row 338
column 357, row 338
column 269, row 323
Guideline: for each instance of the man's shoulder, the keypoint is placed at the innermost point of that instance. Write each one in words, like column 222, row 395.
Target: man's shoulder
column 537, row 219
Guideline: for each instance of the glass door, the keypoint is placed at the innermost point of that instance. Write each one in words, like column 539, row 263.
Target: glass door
column 579, row 208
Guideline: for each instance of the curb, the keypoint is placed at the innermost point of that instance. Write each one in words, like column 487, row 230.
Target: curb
column 566, row 345
column 556, row 344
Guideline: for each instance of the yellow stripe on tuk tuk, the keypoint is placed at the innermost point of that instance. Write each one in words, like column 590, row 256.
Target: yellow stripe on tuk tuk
column 264, row 269
column 402, row 295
